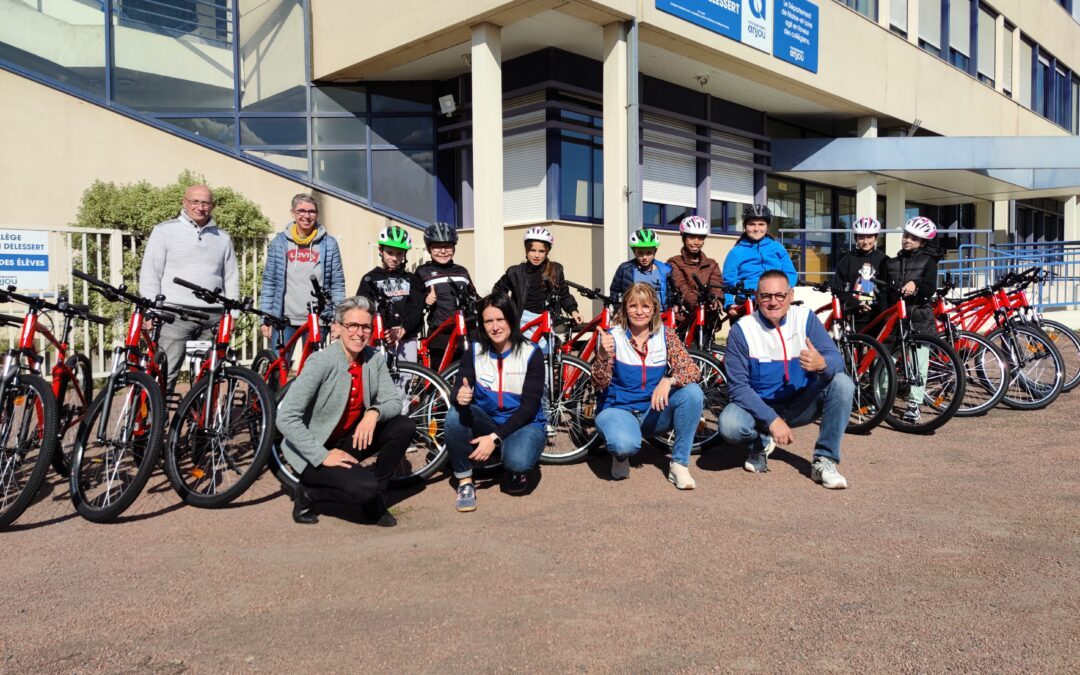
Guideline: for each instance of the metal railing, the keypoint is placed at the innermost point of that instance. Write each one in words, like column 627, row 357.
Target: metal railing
column 978, row 266
column 208, row 20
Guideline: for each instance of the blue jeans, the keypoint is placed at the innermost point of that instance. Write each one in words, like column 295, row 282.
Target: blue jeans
column 623, row 429
column 520, row 450
column 831, row 401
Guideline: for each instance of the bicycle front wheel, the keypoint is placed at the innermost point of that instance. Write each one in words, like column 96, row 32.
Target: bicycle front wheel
column 110, row 468
column 1038, row 371
column 929, row 385
column 72, row 404
column 425, row 398
column 570, row 411
column 1068, row 343
column 986, row 370
column 714, row 385
column 870, row 367
column 28, row 424
column 220, row 439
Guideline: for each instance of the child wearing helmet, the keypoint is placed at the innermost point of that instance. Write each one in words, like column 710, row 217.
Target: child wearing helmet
column 755, row 253
column 643, row 267
column 528, row 283
column 912, row 274
column 442, row 277
column 403, row 290
column 692, row 265
column 857, row 281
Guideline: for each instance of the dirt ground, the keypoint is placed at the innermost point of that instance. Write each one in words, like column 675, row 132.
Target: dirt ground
column 957, row 551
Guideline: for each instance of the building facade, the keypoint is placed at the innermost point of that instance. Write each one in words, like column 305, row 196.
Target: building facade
column 591, row 117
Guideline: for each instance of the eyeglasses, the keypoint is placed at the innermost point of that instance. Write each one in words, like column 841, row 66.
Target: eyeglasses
column 441, row 247
column 201, row 203
column 352, row 327
column 769, row 297
column 305, row 212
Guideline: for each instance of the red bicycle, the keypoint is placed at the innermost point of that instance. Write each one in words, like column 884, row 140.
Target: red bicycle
column 273, row 365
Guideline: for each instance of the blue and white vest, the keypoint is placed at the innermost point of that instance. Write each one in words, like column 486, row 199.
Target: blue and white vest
column 500, row 380
column 633, row 377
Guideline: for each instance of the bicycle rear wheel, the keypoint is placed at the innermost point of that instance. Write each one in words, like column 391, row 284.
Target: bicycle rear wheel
column 72, row 404
column 1068, row 343
column 261, row 365
column 1037, row 369
column 714, row 386
column 571, row 413
column 110, row 470
column 986, row 370
column 28, row 424
column 211, row 462
column 870, row 367
column 929, row 385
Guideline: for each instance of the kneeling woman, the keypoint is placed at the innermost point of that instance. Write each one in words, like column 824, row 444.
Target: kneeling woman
column 648, row 386
column 342, row 407
column 496, row 402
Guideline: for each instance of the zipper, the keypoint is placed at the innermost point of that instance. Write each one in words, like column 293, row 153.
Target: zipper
column 783, row 345
column 500, row 367
column 644, row 357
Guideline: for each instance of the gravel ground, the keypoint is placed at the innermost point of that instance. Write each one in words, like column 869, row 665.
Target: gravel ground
column 957, row 551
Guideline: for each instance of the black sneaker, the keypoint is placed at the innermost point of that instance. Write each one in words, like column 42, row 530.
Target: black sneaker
column 377, row 513
column 912, row 415
column 517, row 483
column 303, row 510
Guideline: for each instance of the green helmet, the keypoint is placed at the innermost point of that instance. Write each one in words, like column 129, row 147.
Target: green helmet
column 644, row 238
column 395, row 236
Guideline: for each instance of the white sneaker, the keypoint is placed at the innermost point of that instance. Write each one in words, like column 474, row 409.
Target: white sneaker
column 679, row 476
column 620, row 467
column 824, row 471
column 770, row 446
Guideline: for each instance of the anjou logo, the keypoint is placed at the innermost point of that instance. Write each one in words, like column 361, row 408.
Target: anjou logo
column 757, row 8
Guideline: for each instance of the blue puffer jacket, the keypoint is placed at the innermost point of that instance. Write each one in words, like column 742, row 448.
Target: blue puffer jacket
column 624, row 278
column 748, row 260
column 272, row 295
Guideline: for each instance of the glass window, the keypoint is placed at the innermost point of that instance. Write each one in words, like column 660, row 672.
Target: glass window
column 867, row 8
column 785, row 202
column 339, row 99
column 41, row 38
column 987, row 44
column 292, row 160
column 340, row 131
column 218, row 129
column 400, row 131
column 1007, row 61
column 898, row 14
column 404, row 180
column 402, row 98
column 716, row 216
column 344, row 169
column 960, row 26
column 1075, row 107
column 930, row 23
column 673, row 214
column 1041, row 88
column 1026, row 57
column 1061, row 96
column 650, row 213
column 272, row 75
column 173, row 58
column 273, row 131
column 575, row 176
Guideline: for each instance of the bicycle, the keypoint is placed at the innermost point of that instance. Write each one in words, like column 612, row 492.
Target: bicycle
column 220, row 437
column 119, row 445
column 1061, row 336
column 273, row 365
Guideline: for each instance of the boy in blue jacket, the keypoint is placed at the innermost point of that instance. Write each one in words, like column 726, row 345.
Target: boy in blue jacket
column 754, row 254
column 644, row 267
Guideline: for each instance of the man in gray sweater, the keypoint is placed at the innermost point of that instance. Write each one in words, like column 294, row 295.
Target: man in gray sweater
column 192, row 247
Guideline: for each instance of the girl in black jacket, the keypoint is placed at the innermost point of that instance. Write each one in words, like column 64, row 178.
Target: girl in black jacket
column 857, row 282
column 529, row 283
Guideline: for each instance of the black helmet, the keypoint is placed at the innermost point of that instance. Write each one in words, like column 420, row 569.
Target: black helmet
column 757, row 212
column 440, row 233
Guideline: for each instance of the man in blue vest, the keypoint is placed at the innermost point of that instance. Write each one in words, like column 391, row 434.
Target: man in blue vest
column 784, row 372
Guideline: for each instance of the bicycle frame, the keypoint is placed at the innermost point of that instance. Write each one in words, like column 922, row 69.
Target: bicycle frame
column 455, row 327
column 600, row 322
column 312, row 335
column 60, row 370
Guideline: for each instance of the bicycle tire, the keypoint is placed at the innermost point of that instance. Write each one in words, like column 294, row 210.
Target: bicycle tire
column 426, row 399
column 494, row 462
column 288, row 476
column 986, row 370
column 714, row 385
column 25, row 392
column 1068, row 343
column 1027, row 390
column 869, row 365
column 72, row 412
column 572, row 415
column 186, row 454
column 944, row 382
column 141, row 428
column 261, row 365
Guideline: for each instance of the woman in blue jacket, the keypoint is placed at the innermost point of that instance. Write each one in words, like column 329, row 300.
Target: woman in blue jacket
column 754, row 254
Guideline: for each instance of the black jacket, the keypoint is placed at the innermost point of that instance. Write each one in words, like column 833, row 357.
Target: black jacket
column 405, row 293
column 919, row 266
column 862, row 267
column 514, row 284
column 443, row 278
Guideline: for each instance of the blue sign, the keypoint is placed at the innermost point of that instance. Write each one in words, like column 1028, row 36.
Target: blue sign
column 719, row 16
column 24, row 263
column 795, row 30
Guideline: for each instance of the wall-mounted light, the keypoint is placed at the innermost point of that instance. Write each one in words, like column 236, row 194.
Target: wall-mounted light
column 447, row 105
column 467, row 58
column 702, row 80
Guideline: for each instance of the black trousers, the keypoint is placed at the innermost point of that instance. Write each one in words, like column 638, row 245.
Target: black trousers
column 355, row 484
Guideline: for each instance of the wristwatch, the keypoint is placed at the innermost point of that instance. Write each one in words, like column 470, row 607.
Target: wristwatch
column 498, row 440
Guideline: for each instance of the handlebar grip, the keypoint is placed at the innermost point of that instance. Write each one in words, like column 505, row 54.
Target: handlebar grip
column 78, row 274
column 162, row 315
column 98, row 319
column 187, row 284
column 78, row 308
column 197, row 315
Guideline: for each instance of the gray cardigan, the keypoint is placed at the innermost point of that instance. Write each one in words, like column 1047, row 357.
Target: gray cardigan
column 316, row 400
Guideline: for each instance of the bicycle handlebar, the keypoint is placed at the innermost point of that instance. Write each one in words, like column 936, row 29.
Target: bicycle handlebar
column 593, row 293
column 216, row 297
column 63, row 306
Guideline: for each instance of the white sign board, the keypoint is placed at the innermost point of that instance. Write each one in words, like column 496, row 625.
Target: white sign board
column 757, row 24
column 24, row 259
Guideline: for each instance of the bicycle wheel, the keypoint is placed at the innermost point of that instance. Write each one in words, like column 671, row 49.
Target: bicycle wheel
column 426, row 399
column 870, row 367
column 986, row 370
column 261, row 365
column 929, row 384
column 28, row 423
column 714, row 386
column 1068, row 343
column 1037, row 369
column 288, row 476
column 72, row 404
column 109, row 470
column 494, row 462
column 571, row 413
column 210, row 462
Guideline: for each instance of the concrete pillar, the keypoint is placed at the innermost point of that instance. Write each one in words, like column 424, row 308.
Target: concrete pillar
column 895, row 214
column 1001, row 221
column 912, row 21
column 616, row 207
column 866, row 184
column 487, row 144
column 883, row 12
column 999, row 53
column 1072, row 219
column 984, row 220
column 867, row 127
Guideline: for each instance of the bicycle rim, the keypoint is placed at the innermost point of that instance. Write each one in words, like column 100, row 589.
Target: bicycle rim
column 929, row 386
column 1068, row 343
column 714, row 387
column 1037, row 371
column 426, row 399
column 871, row 370
column 28, row 424
column 986, row 373
column 570, row 413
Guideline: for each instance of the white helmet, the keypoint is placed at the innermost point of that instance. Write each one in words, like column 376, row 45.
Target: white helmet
column 866, row 225
column 694, row 225
column 540, row 234
column 923, row 228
